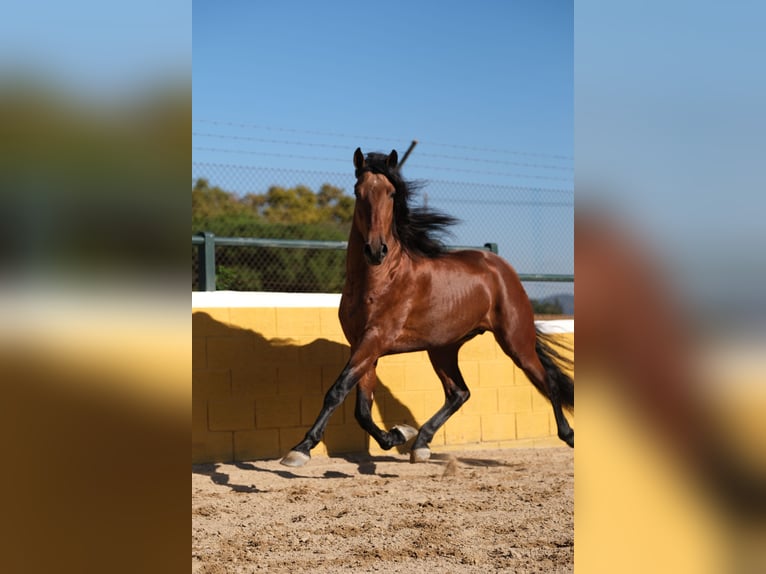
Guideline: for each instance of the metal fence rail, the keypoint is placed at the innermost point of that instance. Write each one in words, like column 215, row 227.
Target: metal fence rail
column 205, row 243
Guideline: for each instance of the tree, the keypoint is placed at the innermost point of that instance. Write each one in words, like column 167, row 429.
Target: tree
column 213, row 202
column 546, row 307
column 280, row 213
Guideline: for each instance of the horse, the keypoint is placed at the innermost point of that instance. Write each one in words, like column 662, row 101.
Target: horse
column 405, row 292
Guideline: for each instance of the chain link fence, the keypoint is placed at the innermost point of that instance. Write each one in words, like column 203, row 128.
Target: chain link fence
column 532, row 227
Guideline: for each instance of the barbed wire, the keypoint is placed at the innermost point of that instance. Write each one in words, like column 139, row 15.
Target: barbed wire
column 270, row 154
column 289, row 130
column 270, row 141
column 475, row 189
column 483, row 149
column 345, row 160
column 506, row 202
column 344, row 147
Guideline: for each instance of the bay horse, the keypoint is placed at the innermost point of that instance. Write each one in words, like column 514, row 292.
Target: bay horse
column 405, row 292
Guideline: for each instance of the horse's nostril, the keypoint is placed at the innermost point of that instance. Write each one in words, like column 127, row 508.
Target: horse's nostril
column 374, row 256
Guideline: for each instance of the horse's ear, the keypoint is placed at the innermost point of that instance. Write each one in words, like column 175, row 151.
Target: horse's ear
column 393, row 159
column 358, row 158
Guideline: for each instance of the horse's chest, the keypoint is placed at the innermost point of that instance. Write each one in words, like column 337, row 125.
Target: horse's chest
column 362, row 310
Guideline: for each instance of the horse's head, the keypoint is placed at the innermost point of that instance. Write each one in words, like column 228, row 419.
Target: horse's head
column 374, row 209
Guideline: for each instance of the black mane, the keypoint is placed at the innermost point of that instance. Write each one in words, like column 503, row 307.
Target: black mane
column 418, row 229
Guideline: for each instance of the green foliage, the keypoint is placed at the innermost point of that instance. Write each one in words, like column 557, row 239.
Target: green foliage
column 547, row 307
column 280, row 213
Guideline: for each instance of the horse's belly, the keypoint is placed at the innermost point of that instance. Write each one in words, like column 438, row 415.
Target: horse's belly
column 440, row 330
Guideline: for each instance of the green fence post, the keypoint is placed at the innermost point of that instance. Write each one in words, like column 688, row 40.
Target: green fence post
column 206, row 257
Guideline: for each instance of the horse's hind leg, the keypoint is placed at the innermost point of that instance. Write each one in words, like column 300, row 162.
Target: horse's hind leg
column 398, row 435
column 548, row 385
column 444, row 362
column 523, row 351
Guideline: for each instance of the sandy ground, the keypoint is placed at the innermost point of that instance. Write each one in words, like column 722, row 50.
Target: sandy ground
column 483, row 511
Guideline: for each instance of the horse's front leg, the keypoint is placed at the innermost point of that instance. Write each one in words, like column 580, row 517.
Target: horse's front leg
column 399, row 434
column 300, row 454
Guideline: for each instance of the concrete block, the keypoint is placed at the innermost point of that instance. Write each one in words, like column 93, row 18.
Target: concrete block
column 532, row 425
column 515, row 399
column 520, row 378
column 211, row 322
column 345, row 438
column 260, row 376
column 299, row 378
column 261, row 320
column 257, row 444
column 499, row 373
column 420, row 376
column 254, row 383
column 199, row 416
column 498, row 427
column 199, row 353
column 470, row 372
column 230, row 352
column 298, row 322
column 264, row 351
column 463, row 429
column 432, row 402
column 323, row 352
column 277, row 412
column 329, row 324
column 346, row 410
column 330, row 374
column 405, row 407
column 212, row 447
column 211, row 383
column 539, row 402
column 391, row 376
column 230, row 414
column 481, row 348
column 378, row 404
column 482, row 401
column 281, row 352
column 439, row 437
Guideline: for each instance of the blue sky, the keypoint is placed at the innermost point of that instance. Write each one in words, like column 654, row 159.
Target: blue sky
column 97, row 49
column 485, row 87
column 490, row 74
column 671, row 137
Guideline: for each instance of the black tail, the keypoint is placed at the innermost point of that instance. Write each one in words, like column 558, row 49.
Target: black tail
column 554, row 364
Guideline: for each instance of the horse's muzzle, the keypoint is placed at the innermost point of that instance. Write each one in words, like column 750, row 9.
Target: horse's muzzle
column 375, row 256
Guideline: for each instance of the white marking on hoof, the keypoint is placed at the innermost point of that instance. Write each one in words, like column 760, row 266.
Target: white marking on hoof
column 420, row 455
column 295, row 459
column 407, row 431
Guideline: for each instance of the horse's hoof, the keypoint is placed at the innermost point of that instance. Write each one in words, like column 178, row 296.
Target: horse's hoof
column 420, row 454
column 406, row 431
column 295, row 459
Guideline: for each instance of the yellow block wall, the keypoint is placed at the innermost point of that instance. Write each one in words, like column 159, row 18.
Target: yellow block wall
column 260, row 374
